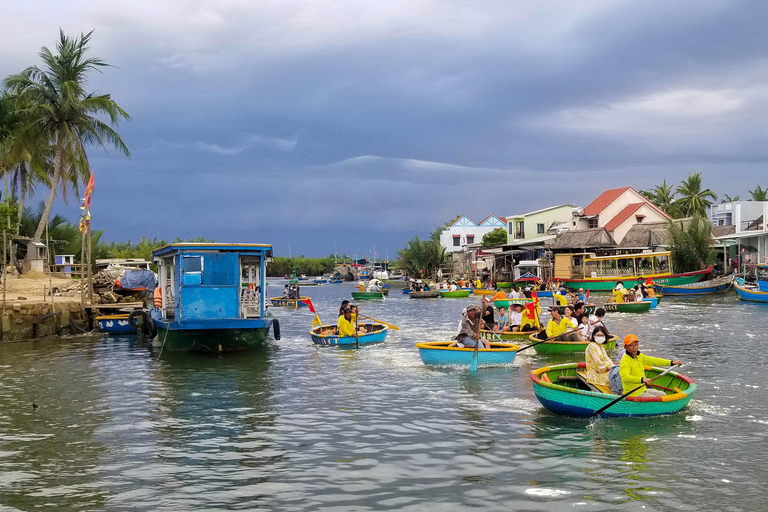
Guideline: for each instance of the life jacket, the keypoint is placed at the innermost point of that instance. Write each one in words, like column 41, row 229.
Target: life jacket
column 158, row 297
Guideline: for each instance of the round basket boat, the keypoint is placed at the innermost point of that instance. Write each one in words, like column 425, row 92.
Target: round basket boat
column 478, row 291
column 376, row 334
column 588, row 309
column 489, row 335
column 290, row 303
column 460, row 294
column 429, row 294
column 505, row 286
column 507, row 302
column 653, row 300
column 561, row 347
column 115, row 324
column 560, row 389
column 627, row 307
column 439, row 353
column 367, row 295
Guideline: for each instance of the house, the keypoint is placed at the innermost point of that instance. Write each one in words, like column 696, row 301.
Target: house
column 617, row 210
column 539, row 225
column 465, row 231
column 741, row 233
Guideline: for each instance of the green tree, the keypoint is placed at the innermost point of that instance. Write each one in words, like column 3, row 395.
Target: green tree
column 728, row 199
column 422, row 257
column 56, row 108
column 693, row 199
column 496, row 237
column 691, row 247
column 664, row 197
column 759, row 194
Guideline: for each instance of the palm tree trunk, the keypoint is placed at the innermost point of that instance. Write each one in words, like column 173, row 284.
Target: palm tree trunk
column 58, row 165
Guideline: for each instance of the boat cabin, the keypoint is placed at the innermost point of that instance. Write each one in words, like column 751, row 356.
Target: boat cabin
column 761, row 277
column 587, row 265
column 206, row 281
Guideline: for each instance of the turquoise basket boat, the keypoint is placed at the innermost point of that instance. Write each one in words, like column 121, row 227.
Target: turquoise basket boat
column 562, row 347
column 290, row 303
column 438, row 353
column 376, row 334
column 461, row 294
column 559, row 389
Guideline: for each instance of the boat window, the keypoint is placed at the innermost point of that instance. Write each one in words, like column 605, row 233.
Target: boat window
column 192, row 264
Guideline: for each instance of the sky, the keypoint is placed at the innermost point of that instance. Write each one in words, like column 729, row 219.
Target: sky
column 349, row 127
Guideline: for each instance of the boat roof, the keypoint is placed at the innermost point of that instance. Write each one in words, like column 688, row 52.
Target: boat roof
column 179, row 247
column 629, row 256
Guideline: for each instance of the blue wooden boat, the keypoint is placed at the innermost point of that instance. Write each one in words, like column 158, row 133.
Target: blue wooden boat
column 712, row 286
column 544, row 293
column 336, row 281
column 115, row 324
column 439, row 353
column 757, row 292
column 406, row 291
column 211, row 298
column 376, row 334
column 559, row 389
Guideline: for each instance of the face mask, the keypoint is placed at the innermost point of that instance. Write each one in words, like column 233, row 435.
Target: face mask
column 600, row 339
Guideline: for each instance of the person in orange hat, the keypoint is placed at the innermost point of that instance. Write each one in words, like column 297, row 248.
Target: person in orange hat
column 632, row 368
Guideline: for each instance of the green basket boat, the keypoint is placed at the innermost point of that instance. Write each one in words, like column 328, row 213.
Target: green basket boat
column 627, row 307
column 489, row 335
column 461, row 294
column 559, row 389
column 588, row 309
column 563, row 347
column 507, row 302
column 367, row 295
column 505, row 286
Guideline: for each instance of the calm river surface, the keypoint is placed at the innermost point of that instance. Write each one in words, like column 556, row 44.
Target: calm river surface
column 300, row 427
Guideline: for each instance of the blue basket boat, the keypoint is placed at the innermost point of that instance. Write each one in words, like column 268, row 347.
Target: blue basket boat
column 376, row 334
column 560, row 390
column 653, row 300
column 439, row 353
column 115, row 324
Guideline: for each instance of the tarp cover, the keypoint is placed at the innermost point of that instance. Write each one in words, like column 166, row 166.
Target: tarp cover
column 138, row 280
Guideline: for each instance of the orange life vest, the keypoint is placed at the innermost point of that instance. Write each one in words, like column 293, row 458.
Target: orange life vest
column 158, row 297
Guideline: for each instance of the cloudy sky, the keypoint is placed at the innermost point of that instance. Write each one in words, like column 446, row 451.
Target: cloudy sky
column 339, row 125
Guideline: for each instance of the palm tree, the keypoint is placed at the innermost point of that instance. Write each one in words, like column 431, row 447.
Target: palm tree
column 56, row 109
column 664, row 197
column 729, row 199
column 693, row 200
column 759, row 194
column 691, row 247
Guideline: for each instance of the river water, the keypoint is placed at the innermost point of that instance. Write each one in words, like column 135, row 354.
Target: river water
column 299, row 427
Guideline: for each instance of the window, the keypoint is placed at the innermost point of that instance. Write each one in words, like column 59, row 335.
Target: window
column 520, row 229
column 510, row 228
column 592, row 223
column 639, row 218
column 540, row 228
column 470, row 239
column 192, row 264
column 456, row 240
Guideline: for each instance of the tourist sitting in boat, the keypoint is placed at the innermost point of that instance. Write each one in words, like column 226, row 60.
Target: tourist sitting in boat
column 572, row 320
column 638, row 294
column 469, row 329
column 584, row 326
column 286, row 292
column 582, row 297
column 596, row 320
column 346, row 324
column 453, row 287
column 374, row 285
column 515, row 316
column 502, row 323
column 514, row 294
column 578, row 310
column 499, row 295
column 632, row 368
column 558, row 328
column 344, row 304
column 597, row 360
column 488, row 313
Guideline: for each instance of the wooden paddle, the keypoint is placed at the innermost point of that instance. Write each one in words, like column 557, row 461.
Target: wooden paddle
column 538, row 342
column 357, row 316
column 625, row 395
column 396, row 328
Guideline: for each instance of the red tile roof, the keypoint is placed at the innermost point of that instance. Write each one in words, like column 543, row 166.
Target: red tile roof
column 623, row 215
column 603, row 200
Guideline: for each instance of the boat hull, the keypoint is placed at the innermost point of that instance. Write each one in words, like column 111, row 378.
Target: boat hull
column 748, row 294
column 180, row 337
column 461, row 294
column 567, row 347
column 329, row 339
column 607, row 284
column 504, row 286
column 406, row 291
column 438, row 353
column 430, row 294
column 478, row 291
column 114, row 324
column 367, row 295
column 570, row 401
column 654, row 301
column 588, row 308
column 507, row 302
column 489, row 335
column 290, row 303
column 713, row 288
column 627, row 307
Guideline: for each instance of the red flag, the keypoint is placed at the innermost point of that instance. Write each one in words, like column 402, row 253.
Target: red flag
column 311, row 306
column 587, row 294
column 531, row 307
column 535, row 297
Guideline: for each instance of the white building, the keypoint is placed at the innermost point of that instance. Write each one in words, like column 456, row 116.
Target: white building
column 465, row 231
column 743, row 230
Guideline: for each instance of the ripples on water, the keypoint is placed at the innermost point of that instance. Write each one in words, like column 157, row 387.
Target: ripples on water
column 299, row 427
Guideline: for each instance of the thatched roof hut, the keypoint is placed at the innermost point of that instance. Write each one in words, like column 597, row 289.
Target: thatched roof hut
column 647, row 235
column 584, row 239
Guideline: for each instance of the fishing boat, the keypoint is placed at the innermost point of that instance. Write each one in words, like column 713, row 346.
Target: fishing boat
column 627, row 307
column 115, row 324
column 505, row 303
column 429, row 294
column 459, row 294
column 712, row 286
column 560, row 389
column 335, row 281
column 440, row 353
column 290, row 303
column 479, row 291
column 561, row 347
column 211, row 297
column 376, row 334
column 367, row 295
column 757, row 292
column 601, row 273
column 504, row 336
column 302, row 277
column 320, row 280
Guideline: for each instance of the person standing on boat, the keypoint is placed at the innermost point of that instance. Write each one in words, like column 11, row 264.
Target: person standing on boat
column 632, row 368
column 469, row 331
column 558, row 327
column 488, row 313
column 597, row 360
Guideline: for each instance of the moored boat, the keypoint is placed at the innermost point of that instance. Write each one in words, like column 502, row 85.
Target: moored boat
column 712, row 286
column 440, row 353
column 335, row 281
column 560, row 390
column 376, row 334
column 320, row 281
column 627, row 307
column 757, row 292
column 561, row 347
column 429, row 294
column 290, row 303
column 115, row 324
column 460, row 294
column 367, row 295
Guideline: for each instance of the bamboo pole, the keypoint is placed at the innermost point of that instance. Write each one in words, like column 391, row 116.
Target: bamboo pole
column 5, row 282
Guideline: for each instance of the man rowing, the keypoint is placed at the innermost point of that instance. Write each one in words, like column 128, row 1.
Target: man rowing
column 559, row 328
column 469, row 329
column 632, row 368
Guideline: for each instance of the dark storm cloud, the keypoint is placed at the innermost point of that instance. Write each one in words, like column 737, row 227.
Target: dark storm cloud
column 354, row 124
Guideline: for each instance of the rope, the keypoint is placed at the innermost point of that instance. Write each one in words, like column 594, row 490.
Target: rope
column 163, row 345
